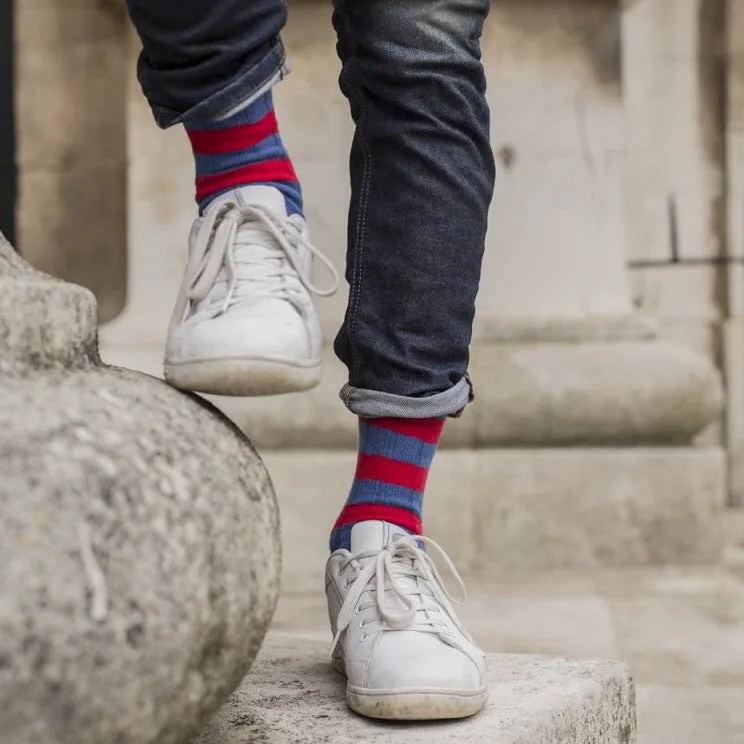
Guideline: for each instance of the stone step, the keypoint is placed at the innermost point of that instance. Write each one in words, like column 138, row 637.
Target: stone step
column 733, row 534
column 292, row 695
column 499, row 510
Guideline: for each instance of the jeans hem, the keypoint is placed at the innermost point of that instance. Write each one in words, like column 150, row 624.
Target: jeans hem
column 374, row 404
column 253, row 81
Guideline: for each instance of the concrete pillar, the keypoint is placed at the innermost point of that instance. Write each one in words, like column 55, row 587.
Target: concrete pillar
column 673, row 87
column 557, row 241
column 71, row 134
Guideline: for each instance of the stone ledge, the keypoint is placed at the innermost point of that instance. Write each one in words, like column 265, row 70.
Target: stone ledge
column 576, row 507
column 616, row 393
column 589, row 391
column 500, row 510
column 292, row 695
column 630, row 393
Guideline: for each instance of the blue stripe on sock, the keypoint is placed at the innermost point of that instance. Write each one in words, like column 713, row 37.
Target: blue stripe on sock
column 388, row 494
column 341, row 538
column 374, row 440
column 292, row 196
column 272, row 148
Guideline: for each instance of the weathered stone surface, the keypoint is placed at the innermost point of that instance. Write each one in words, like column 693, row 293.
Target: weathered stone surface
column 292, row 695
column 138, row 536
column 618, row 393
column 581, row 507
column 497, row 511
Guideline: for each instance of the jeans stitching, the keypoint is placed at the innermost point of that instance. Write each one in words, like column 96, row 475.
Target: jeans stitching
column 359, row 243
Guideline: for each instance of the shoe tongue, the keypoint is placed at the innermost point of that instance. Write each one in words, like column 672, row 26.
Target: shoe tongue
column 373, row 536
column 259, row 195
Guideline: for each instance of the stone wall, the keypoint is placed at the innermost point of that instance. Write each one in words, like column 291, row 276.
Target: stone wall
column 591, row 145
column 71, row 70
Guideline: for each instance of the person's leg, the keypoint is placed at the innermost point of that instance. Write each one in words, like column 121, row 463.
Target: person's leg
column 244, row 322
column 422, row 177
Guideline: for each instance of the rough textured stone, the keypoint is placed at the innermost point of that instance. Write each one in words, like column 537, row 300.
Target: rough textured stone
column 138, row 536
column 292, row 695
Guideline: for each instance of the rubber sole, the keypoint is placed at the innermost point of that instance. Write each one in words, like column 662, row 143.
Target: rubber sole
column 243, row 377
column 412, row 705
column 415, row 706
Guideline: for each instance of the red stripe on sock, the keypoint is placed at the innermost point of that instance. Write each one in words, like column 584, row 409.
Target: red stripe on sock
column 354, row 513
column 232, row 139
column 427, row 430
column 376, row 468
column 270, row 170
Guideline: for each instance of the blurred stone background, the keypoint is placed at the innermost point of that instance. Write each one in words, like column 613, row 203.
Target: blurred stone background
column 608, row 436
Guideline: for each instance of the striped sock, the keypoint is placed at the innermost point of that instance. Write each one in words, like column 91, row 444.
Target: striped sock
column 393, row 463
column 243, row 149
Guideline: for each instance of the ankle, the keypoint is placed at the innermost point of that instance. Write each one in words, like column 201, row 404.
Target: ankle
column 392, row 469
column 243, row 149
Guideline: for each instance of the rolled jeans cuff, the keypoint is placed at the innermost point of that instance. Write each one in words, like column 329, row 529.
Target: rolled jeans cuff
column 251, row 83
column 374, row 404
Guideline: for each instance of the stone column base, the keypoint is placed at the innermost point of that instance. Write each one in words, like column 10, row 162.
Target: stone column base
column 589, row 383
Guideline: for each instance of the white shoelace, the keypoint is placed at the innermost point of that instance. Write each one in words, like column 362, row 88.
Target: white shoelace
column 403, row 559
column 268, row 275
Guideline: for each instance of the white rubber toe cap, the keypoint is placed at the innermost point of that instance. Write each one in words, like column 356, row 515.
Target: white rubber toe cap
column 413, row 660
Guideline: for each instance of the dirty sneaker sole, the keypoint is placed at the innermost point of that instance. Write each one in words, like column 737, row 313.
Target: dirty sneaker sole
column 243, row 377
column 414, row 704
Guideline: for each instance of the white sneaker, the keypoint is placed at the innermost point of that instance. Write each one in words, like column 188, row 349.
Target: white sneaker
column 244, row 323
column 397, row 639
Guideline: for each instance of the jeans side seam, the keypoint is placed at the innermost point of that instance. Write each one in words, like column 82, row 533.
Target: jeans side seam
column 359, row 243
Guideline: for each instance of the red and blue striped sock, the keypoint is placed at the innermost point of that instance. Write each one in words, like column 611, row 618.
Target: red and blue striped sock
column 393, row 463
column 243, row 149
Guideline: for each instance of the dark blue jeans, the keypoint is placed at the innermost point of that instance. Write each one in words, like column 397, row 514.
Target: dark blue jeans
column 421, row 166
